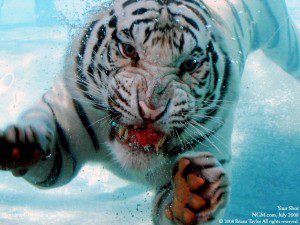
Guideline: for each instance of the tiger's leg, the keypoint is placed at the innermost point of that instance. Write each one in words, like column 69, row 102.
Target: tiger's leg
column 197, row 193
column 34, row 149
column 282, row 41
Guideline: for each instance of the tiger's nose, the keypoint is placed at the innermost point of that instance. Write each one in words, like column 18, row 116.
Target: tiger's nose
column 151, row 114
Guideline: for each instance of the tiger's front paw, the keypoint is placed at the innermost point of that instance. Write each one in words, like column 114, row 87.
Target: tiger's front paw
column 200, row 189
column 19, row 149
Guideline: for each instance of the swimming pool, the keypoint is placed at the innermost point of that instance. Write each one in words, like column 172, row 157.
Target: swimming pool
column 266, row 144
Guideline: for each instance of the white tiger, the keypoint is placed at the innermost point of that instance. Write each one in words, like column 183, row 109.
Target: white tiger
column 149, row 91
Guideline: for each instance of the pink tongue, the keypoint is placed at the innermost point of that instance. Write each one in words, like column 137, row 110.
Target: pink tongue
column 148, row 136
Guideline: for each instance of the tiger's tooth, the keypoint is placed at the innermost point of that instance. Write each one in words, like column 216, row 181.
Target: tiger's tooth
column 147, row 148
column 135, row 127
column 156, row 147
column 125, row 137
column 121, row 131
column 161, row 141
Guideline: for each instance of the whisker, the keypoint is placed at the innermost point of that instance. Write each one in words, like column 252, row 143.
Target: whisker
column 215, row 120
column 194, row 138
column 181, row 143
column 207, row 138
column 97, row 121
column 216, row 136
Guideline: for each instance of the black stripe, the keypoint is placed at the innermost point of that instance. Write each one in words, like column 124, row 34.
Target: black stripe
column 53, row 114
column 291, row 58
column 120, row 107
column 86, row 123
column 216, row 75
column 191, row 22
column 180, row 113
column 187, row 19
column 165, row 189
column 65, row 144
column 119, row 95
column 236, row 16
column 188, row 30
column 203, row 80
column 201, row 6
column 181, row 103
column 101, row 69
column 61, row 134
column 191, row 143
column 113, row 22
column 254, row 35
column 129, row 2
column 55, row 172
column 179, row 149
column 176, row 45
column 79, row 59
column 90, row 73
column 101, row 35
column 181, row 43
column 147, row 34
column 108, row 54
column 136, row 22
column 177, row 122
column 275, row 38
column 214, row 58
column 97, row 105
column 224, row 86
column 203, row 61
column 293, row 61
column 126, row 32
column 196, row 12
column 242, row 57
column 140, row 11
column 213, row 111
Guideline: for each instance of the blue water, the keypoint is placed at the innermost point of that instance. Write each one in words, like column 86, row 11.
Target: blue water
column 266, row 143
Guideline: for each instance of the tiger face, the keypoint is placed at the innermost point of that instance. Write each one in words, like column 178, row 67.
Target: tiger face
column 161, row 76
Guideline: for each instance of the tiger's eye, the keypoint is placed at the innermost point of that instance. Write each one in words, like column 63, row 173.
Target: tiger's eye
column 129, row 51
column 189, row 65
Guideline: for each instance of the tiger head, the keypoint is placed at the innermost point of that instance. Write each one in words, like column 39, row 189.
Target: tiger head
column 158, row 70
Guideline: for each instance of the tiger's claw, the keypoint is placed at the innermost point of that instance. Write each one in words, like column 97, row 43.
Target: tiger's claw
column 200, row 188
column 19, row 149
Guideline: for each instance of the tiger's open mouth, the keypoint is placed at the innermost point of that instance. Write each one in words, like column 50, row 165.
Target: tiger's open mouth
column 146, row 139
